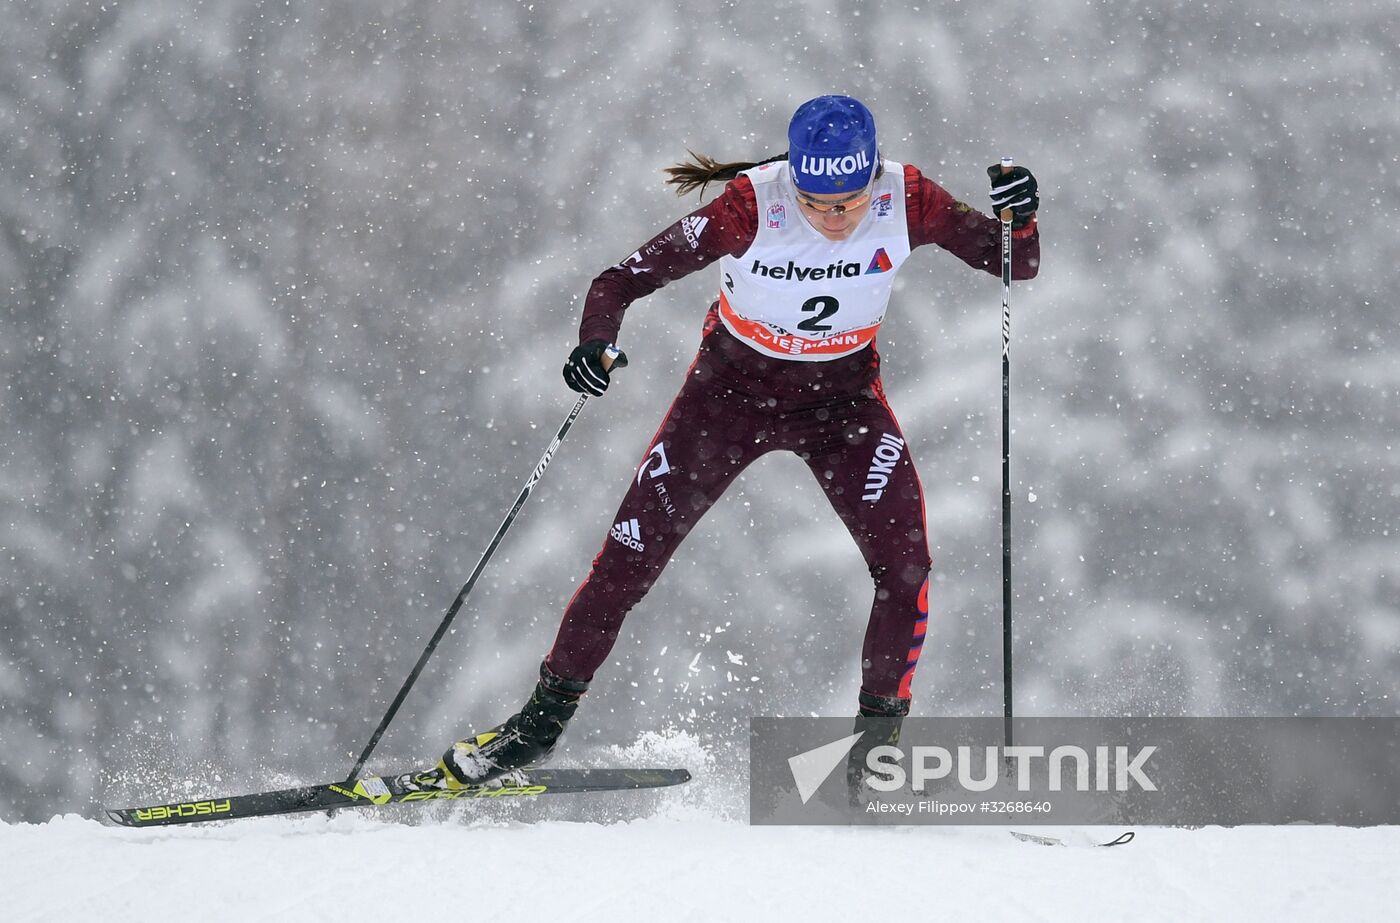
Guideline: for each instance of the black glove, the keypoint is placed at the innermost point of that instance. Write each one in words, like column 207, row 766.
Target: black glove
column 585, row 372
column 1015, row 189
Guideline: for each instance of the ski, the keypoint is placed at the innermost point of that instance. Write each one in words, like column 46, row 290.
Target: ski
column 376, row 791
column 1041, row 840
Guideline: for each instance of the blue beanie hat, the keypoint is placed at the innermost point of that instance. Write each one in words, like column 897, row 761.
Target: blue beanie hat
column 831, row 145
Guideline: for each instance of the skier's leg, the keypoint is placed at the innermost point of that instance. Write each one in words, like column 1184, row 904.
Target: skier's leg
column 868, row 475
column 707, row 438
column 865, row 468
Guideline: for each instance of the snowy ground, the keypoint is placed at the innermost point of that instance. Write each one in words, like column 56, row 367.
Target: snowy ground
column 687, row 854
column 680, row 865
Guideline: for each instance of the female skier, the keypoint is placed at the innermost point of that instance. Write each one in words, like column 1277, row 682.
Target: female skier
column 808, row 245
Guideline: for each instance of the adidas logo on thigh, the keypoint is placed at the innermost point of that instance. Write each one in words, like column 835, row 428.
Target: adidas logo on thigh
column 628, row 534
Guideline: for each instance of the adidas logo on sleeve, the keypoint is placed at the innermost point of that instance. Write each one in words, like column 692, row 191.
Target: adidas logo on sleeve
column 693, row 226
column 628, row 534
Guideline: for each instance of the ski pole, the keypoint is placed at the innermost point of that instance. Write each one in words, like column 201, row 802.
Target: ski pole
column 1006, row 216
column 613, row 358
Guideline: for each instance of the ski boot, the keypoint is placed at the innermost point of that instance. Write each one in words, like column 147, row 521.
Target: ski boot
column 878, row 722
column 497, row 756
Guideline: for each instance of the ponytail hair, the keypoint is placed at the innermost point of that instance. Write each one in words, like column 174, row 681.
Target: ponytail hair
column 699, row 171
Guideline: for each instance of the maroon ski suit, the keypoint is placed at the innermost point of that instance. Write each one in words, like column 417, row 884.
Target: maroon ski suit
column 737, row 404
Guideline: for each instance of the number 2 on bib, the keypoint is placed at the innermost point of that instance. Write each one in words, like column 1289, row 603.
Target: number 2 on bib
column 826, row 305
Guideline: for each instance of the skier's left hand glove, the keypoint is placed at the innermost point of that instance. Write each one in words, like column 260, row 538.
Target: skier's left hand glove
column 1015, row 189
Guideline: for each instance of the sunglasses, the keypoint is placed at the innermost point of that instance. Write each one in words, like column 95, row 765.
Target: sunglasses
column 838, row 207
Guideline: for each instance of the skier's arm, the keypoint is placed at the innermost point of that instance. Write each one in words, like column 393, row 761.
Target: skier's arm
column 935, row 217
column 725, row 225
